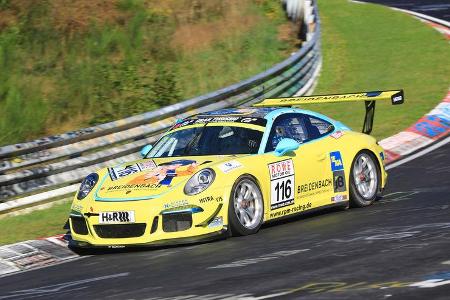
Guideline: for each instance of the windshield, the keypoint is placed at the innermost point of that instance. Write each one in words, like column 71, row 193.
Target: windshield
column 208, row 140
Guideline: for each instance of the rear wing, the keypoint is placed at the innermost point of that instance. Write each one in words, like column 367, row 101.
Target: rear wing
column 369, row 98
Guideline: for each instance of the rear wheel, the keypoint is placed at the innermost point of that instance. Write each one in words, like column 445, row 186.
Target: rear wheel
column 246, row 209
column 365, row 180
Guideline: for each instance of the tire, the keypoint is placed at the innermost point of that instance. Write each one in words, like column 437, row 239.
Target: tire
column 246, row 207
column 365, row 179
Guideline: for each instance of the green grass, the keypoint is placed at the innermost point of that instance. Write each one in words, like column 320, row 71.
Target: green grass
column 39, row 223
column 370, row 47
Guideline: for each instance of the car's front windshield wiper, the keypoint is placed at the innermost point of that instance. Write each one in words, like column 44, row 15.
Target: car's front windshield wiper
column 188, row 147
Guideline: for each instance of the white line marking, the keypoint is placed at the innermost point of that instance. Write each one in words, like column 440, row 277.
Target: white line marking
column 430, row 283
column 426, row 17
column 262, row 258
column 419, row 15
column 49, row 289
column 45, row 266
column 418, row 154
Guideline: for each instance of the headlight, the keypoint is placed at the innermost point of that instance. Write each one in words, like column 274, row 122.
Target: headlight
column 87, row 185
column 199, row 182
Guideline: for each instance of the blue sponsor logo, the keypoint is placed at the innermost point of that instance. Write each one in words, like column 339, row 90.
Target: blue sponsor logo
column 373, row 94
column 336, row 161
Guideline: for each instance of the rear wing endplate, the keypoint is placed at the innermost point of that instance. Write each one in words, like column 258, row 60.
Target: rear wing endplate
column 369, row 98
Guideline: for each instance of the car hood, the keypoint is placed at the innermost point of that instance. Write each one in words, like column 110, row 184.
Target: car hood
column 151, row 178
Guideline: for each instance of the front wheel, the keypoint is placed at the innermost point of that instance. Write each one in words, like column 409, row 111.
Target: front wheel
column 365, row 180
column 246, row 208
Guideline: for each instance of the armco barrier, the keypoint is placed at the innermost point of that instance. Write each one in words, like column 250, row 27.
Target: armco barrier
column 50, row 168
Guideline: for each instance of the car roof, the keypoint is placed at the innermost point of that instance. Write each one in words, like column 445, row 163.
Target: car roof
column 252, row 112
column 267, row 113
column 263, row 116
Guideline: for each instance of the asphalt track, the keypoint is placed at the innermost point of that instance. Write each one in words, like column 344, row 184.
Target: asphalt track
column 435, row 8
column 397, row 249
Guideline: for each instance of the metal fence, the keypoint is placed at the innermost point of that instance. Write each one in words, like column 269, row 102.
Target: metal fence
column 50, row 168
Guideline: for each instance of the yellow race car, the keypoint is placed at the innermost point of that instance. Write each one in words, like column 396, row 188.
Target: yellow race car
column 227, row 172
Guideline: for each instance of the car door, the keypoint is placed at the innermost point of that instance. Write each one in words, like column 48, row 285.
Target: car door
column 298, row 180
column 325, row 168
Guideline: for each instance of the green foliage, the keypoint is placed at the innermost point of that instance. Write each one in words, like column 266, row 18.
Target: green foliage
column 56, row 79
column 4, row 4
column 210, row 69
column 130, row 5
column 19, row 105
column 165, row 87
column 272, row 9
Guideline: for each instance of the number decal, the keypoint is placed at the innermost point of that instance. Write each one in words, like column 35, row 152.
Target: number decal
column 282, row 180
column 339, row 181
column 286, row 190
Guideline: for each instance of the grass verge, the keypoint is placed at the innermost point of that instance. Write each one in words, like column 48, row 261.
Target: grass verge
column 370, row 47
column 38, row 223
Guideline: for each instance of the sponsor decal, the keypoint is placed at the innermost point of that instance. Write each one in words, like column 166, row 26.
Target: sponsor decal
column 176, row 204
column 143, row 186
column 164, row 173
column 123, row 171
column 291, row 210
column 282, row 182
column 108, row 217
column 221, row 119
column 216, row 222
column 337, row 134
column 210, row 199
column 311, row 186
column 76, row 207
column 382, row 156
column 339, row 198
column 330, row 97
column 230, row 166
column 249, row 120
column 336, row 161
column 185, row 208
column 206, row 199
column 397, row 99
column 231, row 111
column 339, row 181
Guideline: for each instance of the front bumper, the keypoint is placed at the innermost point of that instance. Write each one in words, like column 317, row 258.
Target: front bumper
column 223, row 233
column 153, row 223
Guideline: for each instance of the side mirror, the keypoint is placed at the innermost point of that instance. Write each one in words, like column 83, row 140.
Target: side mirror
column 286, row 145
column 145, row 150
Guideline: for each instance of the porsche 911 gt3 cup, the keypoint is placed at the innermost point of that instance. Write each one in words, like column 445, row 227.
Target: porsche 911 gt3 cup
column 229, row 171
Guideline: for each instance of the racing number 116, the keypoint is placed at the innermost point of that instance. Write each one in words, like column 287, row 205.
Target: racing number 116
column 285, row 187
